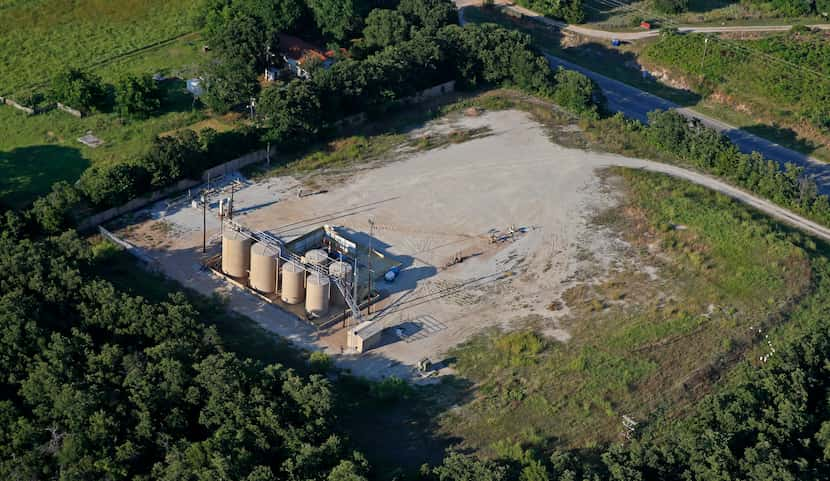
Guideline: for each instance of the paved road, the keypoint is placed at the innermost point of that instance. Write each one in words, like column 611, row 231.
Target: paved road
column 635, row 103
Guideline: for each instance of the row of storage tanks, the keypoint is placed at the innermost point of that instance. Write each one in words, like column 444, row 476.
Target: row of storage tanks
column 260, row 263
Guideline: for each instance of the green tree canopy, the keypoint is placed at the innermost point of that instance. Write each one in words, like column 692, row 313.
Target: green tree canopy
column 78, row 89
column 385, row 27
column 137, row 96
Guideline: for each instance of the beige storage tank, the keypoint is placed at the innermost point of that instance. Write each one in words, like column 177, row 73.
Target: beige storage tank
column 264, row 264
column 317, row 294
column 236, row 254
column 340, row 270
column 293, row 283
column 317, row 257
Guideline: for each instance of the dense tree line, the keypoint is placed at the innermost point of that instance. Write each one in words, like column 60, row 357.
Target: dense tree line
column 703, row 148
column 774, row 87
column 97, row 384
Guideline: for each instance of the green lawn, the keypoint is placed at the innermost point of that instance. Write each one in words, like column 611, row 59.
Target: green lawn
column 39, row 37
column 38, row 150
column 641, row 346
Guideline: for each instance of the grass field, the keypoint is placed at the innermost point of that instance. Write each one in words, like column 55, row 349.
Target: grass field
column 642, row 346
column 36, row 151
column 39, row 37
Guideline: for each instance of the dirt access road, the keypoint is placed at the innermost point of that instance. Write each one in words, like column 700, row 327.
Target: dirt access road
column 427, row 208
column 630, row 36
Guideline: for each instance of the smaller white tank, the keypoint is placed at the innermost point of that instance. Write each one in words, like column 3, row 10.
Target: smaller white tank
column 340, row 270
column 317, row 257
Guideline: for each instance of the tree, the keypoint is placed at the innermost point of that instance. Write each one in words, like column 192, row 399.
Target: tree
column 385, row 27
column 576, row 92
column 171, row 158
column 291, row 112
column 235, row 34
column 78, row 89
column 458, row 467
column 338, row 18
column 53, row 212
column 113, row 184
column 229, row 81
column 137, row 96
column 429, row 15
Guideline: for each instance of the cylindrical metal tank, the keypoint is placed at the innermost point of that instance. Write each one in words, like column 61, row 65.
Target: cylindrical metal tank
column 236, row 254
column 317, row 257
column 264, row 264
column 293, row 283
column 317, row 294
column 341, row 270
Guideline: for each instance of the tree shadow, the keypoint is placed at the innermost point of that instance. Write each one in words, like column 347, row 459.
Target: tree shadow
column 784, row 136
column 703, row 6
column 624, row 66
column 175, row 97
column 29, row 172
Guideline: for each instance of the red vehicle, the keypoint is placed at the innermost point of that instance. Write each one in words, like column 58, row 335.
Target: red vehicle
column 645, row 25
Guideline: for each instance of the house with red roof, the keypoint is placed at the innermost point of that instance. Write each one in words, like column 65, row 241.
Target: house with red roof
column 299, row 55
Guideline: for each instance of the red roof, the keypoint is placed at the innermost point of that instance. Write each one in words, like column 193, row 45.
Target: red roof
column 298, row 49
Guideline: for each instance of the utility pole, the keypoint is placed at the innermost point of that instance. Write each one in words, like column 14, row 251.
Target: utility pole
column 204, row 222
column 230, row 207
column 369, row 263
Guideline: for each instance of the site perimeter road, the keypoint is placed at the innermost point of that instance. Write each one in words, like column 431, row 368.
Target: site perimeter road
column 636, row 104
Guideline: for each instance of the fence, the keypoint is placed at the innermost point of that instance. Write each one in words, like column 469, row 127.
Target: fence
column 184, row 184
column 148, row 261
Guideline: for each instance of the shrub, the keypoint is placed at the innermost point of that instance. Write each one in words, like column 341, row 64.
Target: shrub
column 112, row 185
column 577, row 93
column 320, row 361
column 79, row 89
column 53, row 212
column 137, row 96
column 391, row 389
column 519, row 348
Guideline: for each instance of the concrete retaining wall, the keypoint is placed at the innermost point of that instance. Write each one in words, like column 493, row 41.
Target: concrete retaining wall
column 70, row 110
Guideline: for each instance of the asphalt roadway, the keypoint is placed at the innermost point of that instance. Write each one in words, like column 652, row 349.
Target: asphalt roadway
column 636, row 104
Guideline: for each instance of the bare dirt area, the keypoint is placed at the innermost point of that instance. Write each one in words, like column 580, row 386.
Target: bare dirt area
column 429, row 210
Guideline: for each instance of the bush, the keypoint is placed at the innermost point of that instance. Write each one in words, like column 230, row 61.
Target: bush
column 54, row 211
column 137, row 96
column 519, row 348
column 577, row 93
column 391, row 389
column 320, row 361
column 78, row 89
column 112, row 185
column 171, row 158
